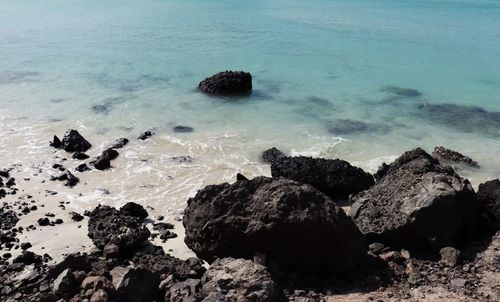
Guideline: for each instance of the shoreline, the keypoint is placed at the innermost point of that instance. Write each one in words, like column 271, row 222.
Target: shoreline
column 69, row 237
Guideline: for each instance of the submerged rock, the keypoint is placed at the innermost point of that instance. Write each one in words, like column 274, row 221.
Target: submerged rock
column 334, row 177
column 120, row 143
column 400, row 91
column 108, row 225
column 417, row 203
column 74, row 142
column 145, row 135
column 453, row 156
column 271, row 155
column 277, row 217
column 242, row 280
column 227, row 83
column 183, row 129
column 347, row 126
column 488, row 196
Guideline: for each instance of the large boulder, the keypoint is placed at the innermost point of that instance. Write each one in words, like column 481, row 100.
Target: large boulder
column 109, row 226
column 227, row 83
column 295, row 225
column 488, row 196
column 239, row 280
column 73, row 142
column 334, row 177
column 417, row 203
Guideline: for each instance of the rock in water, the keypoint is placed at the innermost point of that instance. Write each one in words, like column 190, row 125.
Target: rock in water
column 120, row 143
column 56, row 142
column 227, row 83
column 334, row 177
column 276, row 217
column 145, row 135
column 108, row 225
column 231, row 279
column 271, row 155
column 453, row 156
column 417, row 203
column 488, row 196
column 103, row 161
column 74, row 142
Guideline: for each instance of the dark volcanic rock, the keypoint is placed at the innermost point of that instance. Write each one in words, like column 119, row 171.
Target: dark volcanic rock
column 334, row 177
column 134, row 209
column 145, row 135
column 108, row 225
column 188, row 290
column 82, row 168
column 488, row 197
column 231, row 279
column 418, row 204
column 80, row 156
column 227, row 83
column 76, row 216
column 28, row 258
column 276, row 217
column 120, row 143
column 74, row 142
column 270, row 155
column 453, row 156
column 183, row 129
column 56, row 142
column 103, row 161
column 135, row 284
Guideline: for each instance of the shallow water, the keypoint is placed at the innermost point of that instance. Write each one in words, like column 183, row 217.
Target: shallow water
column 328, row 79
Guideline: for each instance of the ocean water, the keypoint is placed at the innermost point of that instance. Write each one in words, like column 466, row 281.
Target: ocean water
column 327, row 82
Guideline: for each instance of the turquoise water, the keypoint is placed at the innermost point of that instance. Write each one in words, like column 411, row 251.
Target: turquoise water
column 321, row 71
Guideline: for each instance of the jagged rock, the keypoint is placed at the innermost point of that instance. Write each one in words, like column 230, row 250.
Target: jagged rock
column 239, row 280
column 64, row 283
column 56, row 142
column 76, row 216
column 488, row 196
column 185, row 291
column 103, row 161
column 74, row 142
column 96, row 283
column 70, row 179
column 334, row 177
column 276, row 217
column 240, row 177
column 82, row 168
column 80, row 156
column 134, row 209
column 453, row 156
column 145, row 135
column 120, row 143
column 99, row 296
column 417, row 203
column 108, row 225
column 111, row 251
column 135, row 285
column 227, row 83
column 271, row 155
column 450, row 256
column 28, row 258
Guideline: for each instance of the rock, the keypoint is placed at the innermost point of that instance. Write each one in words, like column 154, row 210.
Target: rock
column 347, row 126
column 453, row 156
column 145, row 135
column 82, row 168
column 188, row 290
column 28, row 258
column 96, row 283
column 240, row 280
column 76, row 216
column 183, row 129
column 240, row 177
column 418, row 204
column 227, row 83
column 64, row 283
column 275, row 217
column 488, row 196
column 99, row 296
column 120, row 143
column 108, row 225
column 102, row 162
column 334, row 177
column 135, row 285
column 71, row 180
column 450, row 256
column 25, row 245
column 134, row 209
column 56, row 143
column 399, row 91
column 43, row 221
column 80, row 156
column 376, row 248
column 111, row 251
column 74, row 142
column 271, row 155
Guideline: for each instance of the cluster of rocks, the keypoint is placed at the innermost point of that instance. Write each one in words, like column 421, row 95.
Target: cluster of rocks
column 7, row 184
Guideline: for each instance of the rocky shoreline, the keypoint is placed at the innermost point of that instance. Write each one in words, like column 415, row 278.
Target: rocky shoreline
column 414, row 231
